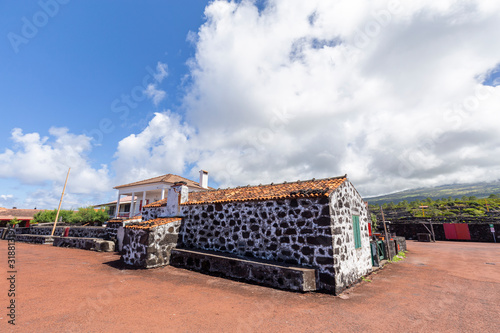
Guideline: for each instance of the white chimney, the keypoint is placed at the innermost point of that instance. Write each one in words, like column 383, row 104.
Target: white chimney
column 204, row 178
column 177, row 195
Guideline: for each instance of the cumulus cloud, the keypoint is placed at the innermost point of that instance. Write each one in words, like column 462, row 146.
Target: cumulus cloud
column 42, row 160
column 165, row 146
column 389, row 92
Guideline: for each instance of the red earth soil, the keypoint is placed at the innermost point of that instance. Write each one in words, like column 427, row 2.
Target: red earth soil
column 439, row 287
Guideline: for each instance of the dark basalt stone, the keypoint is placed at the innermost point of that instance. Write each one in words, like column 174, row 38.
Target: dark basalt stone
column 307, row 214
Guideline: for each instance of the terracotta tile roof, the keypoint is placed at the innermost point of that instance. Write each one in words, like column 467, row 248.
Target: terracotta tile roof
column 298, row 189
column 152, row 223
column 21, row 214
column 134, row 218
column 168, row 178
column 113, row 220
column 123, row 200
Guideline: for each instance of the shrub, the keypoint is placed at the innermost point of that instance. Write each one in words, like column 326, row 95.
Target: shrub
column 50, row 216
column 89, row 215
column 14, row 221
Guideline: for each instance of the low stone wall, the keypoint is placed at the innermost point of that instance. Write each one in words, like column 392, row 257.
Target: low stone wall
column 152, row 247
column 34, row 239
column 88, row 232
column 290, row 231
column 479, row 232
column 59, row 231
column 135, row 247
column 84, row 232
column 93, row 244
column 400, row 243
column 260, row 272
column 112, row 230
column 4, row 232
column 22, row 230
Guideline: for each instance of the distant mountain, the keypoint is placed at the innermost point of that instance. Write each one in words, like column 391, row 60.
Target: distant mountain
column 479, row 190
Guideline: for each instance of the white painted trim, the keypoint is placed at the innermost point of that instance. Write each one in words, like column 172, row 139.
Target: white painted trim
column 117, row 209
column 132, row 206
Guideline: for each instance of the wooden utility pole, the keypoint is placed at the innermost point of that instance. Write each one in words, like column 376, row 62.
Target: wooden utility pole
column 60, row 202
column 389, row 252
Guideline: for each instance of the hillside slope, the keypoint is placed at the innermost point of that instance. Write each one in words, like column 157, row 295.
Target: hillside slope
column 479, row 190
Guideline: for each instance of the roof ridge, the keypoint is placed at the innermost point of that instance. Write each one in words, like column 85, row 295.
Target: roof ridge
column 275, row 184
column 313, row 187
column 160, row 178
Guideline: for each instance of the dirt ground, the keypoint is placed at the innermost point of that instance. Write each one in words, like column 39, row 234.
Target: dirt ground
column 440, row 287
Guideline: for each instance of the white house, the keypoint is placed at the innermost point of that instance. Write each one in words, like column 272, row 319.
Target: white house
column 151, row 190
column 124, row 209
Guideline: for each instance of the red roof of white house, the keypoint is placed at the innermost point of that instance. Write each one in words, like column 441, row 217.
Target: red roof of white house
column 167, row 179
column 20, row 214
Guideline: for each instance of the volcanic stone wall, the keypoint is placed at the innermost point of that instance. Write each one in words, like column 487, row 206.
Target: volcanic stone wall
column 152, row 247
column 293, row 231
column 229, row 266
column 84, row 232
column 94, row 244
column 310, row 232
column 34, row 239
column 153, row 213
column 135, row 246
column 349, row 263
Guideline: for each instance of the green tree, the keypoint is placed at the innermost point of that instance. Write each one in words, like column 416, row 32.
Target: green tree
column 89, row 215
column 50, row 216
column 14, row 221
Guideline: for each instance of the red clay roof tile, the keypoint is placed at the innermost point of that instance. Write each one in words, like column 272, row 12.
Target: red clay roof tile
column 298, row 189
column 152, row 223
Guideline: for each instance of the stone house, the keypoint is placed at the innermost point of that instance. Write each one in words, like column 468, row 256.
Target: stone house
column 304, row 235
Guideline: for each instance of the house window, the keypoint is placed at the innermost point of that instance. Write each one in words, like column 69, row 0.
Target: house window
column 126, row 208
column 357, row 231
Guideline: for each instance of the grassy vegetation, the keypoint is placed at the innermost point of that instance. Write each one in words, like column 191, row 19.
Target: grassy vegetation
column 398, row 257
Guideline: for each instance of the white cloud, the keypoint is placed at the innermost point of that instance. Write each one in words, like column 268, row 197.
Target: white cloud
column 163, row 147
column 161, row 72
column 390, row 95
column 153, row 93
column 6, row 197
column 36, row 160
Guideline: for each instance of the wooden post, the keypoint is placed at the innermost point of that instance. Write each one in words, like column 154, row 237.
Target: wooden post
column 389, row 252
column 60, row 202
column 432, row 229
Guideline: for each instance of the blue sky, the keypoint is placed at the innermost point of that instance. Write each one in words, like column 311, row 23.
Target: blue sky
column 86, row 56
column 396, row 95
